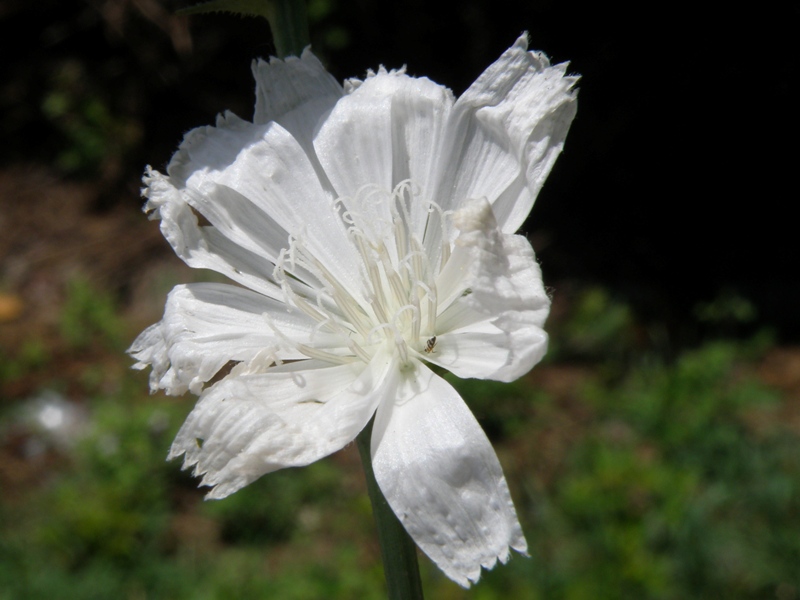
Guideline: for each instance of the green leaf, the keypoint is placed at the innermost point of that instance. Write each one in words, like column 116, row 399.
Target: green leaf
column 245, row 8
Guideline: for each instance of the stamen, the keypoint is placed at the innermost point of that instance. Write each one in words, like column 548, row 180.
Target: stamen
column 432, row 308
column 387, row 330
column 358, row 350
column 401, row 191
column 306, row 308
column 372, row 271
column 329, row 356
column 402, row 348
column 398, row 291
column 399, row 313
column 430, row 294
column 445, row 242
column 342, row 298
column 419, row 262
column 380, row 313
column 415, row 322
column 445, row 254
column 401, row 244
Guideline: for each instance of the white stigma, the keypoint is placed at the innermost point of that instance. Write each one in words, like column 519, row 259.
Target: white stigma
column 397, row 304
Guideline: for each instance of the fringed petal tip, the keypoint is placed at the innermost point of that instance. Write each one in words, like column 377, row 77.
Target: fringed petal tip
column 353, row 83
column 149, row 349
column 466, row 578
column 539, row 59
column 219, row 490
column 244, row 427
column 157, row 191
column 540, row 63
column 474, row 575
column 273, row 61
column 284, row 85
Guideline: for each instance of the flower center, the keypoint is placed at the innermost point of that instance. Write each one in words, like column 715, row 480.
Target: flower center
column 396, row 303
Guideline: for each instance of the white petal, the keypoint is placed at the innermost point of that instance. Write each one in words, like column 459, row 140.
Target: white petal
column 295, row 92
column 246, row 426
column 497, row 305
column 506, row 132
column 203, row 247
column 238, row 219
column 495, row 354
column 266, row 166
column 206, row 325
column 442, row 478
column 384, row 132
column 150, row 349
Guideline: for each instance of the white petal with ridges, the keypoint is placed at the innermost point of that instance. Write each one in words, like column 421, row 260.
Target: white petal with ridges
column 501, row 355
column 297, row 93
column 244, row 427
column 266, row 165
column 206, row 325
column 496, row 298
column 505, row 133
column 203, row 247
column 291, row 88
column 386, row 131
column 442, row 478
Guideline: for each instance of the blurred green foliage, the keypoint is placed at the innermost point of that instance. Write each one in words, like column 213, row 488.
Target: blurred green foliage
column 89, row 315
column 655, row 479
column 32, row 356
column 93, row 138
column 270, row 512
column 673, row 491
column 599, row 327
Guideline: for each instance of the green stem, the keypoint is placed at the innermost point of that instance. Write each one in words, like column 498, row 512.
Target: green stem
column 288, row 21
column 398, row 550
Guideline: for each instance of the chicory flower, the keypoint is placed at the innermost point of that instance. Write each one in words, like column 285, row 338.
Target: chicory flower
column 370, row 228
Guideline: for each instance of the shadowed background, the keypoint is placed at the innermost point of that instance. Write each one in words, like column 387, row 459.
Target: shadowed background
column 675, row 183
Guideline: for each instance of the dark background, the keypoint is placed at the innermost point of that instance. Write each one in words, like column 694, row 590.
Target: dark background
column 678, row 181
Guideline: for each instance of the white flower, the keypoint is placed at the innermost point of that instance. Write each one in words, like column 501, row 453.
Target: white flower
column 370, row 228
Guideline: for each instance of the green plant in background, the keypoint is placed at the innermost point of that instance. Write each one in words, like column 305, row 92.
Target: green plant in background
column 334, row 37
column 115, row 502
column 671, row 493
column 503, row 409
column 599, row 327
column 33, row 356
column 109, row 521
column 669, row 481
column 727, row 306
column 101, row 511
column 727, row 315
column 89, row 316
column 95, row 139
column 271, row 510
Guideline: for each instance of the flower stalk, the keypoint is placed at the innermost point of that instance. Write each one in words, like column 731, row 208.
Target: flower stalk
column 288, row 21
column 398, row 550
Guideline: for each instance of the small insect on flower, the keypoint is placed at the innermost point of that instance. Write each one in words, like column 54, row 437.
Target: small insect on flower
column 430, row 345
